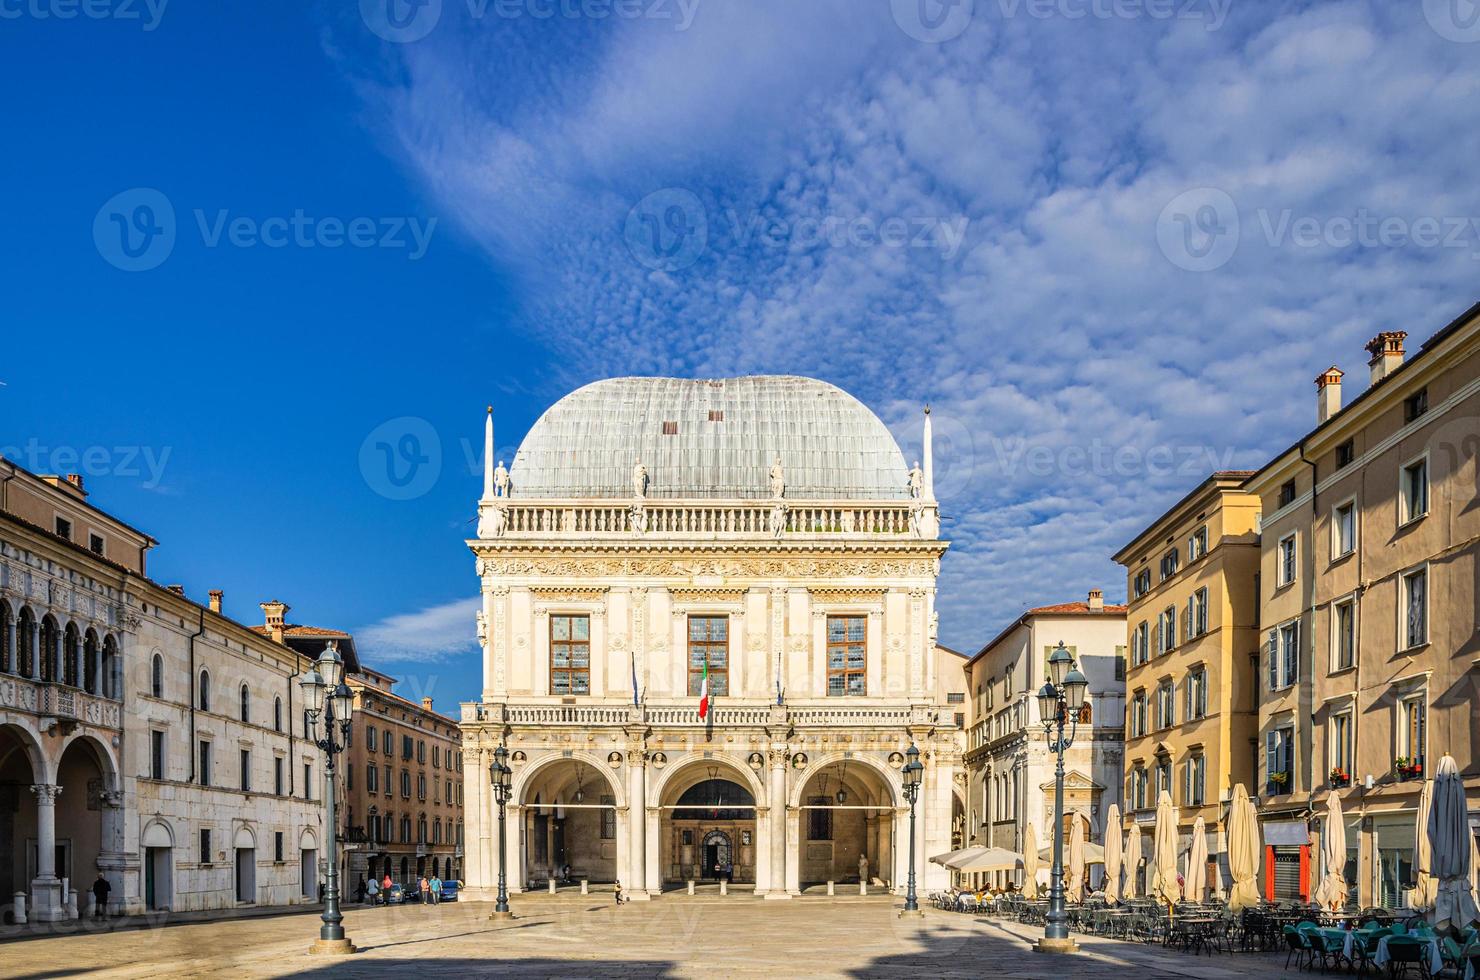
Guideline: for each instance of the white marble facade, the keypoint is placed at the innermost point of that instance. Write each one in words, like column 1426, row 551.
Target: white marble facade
column 767, row 526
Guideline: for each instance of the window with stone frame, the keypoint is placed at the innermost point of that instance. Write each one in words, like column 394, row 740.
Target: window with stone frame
column 847, row 656
column 819, row 821
column 608, row 817
column 570, row 654
column 709, row 643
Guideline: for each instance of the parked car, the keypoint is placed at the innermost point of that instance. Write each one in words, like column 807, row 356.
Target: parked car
column 397, row 894
column 449, row 891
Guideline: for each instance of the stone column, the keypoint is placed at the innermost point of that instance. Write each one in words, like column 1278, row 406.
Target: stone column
column 637, row 821
column 514, row 853
column 46, row 890
column 114, row 860
column 776, row 824
column 10, row 633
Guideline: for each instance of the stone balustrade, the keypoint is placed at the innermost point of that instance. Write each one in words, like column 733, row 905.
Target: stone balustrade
column 58, row 701
column 685, row 714
column 540, row 518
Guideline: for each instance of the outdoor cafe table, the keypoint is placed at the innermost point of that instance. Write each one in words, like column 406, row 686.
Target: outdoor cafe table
column 1436, row 958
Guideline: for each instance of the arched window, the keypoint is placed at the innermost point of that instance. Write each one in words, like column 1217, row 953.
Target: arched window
column 90, row 664
column 156, row 676
column 277, row 714
column 246, row 703
column 7, row 654
column 421, row 829
column 112, row 680
column 1086, row 714
column 406, row 830
column 71, row 656
column 205, row 690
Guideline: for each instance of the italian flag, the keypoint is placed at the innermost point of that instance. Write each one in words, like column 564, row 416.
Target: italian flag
column 704, row 692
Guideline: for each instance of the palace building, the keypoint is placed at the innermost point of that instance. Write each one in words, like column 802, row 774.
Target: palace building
column 709, row 639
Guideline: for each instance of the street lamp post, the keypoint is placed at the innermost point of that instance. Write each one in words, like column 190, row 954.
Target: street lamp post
column 912, row 772
column 325, row 693
column 1059, row 701
column 502, row 778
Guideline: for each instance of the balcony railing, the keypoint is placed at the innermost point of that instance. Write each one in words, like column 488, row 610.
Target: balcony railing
column 686, row 715
column 515, row 518
column 53, row 700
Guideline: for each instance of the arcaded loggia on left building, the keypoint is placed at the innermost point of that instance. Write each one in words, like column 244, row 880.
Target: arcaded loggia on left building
column 142, row 735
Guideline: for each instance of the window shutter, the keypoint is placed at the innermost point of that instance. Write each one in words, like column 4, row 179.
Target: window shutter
column 1274, row 659
column 1191, row 617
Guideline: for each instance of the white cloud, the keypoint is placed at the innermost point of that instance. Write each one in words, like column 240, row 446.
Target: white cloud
column 1059, row 324
column 441, row 632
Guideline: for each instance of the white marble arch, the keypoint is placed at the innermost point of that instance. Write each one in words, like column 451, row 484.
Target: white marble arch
column 525, row 775
column 891, row 779
column 105, row 752
column 685, row 769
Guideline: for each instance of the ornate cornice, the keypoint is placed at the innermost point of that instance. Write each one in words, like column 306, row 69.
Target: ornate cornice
column 560, row 593
column 724, row 566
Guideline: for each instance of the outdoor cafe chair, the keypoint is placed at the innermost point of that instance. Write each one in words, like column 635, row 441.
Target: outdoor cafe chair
column 1298, row 947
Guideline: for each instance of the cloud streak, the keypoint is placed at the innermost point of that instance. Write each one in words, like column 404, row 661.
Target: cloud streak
column 436, row 633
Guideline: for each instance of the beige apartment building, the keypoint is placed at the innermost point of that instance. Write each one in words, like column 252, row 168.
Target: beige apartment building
column 1370, row 536
column 1193, row 637
column 1009, row 770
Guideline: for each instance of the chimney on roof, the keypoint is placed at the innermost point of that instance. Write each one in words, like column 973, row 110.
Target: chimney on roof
column 216, row 595
column 176, row 589
column 426, row 704
column 76, row 480
column 1387, row 353
column 277, row 616
column 1328, row 394
column 1096, row 600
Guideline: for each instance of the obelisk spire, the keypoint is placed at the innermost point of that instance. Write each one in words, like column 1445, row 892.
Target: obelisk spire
column 929, row 493
column 488, row 456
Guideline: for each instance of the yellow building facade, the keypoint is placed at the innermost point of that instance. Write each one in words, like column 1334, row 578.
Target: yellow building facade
column 1193, row 646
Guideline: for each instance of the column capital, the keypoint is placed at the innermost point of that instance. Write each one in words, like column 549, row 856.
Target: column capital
column 46, row 793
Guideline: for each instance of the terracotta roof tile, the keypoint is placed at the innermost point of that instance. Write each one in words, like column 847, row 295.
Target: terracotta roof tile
column 1071, row 608
column 295, row 629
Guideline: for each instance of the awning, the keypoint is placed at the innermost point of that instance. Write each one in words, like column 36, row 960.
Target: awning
column 1286, row 833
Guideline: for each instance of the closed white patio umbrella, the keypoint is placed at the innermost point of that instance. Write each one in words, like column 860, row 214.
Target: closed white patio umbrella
column 1196, row 878
column 1132, row 862
column 1243, row 850
column 1075, row 890
column 1449, row 833
column 1164, row 884
column 1332, row 891
column 1421, row 895
column 1112, row 854
column 1030, row 863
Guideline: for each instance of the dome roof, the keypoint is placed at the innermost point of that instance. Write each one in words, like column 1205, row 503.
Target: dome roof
column 710, row 439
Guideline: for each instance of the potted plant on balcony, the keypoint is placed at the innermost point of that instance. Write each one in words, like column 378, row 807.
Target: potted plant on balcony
column 1407, row 768
column 1278, row 781
column 1340, row 777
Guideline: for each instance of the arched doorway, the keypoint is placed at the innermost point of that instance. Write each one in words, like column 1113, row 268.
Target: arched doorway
column 19, row 758
column 847, row 826
column 708, row 830
column 158, row 865
column 83, row 774
column 568, row 823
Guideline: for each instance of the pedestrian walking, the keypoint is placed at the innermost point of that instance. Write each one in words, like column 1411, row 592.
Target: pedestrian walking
column 100, row 890
column 372, row 890
column 436, row 890
column 618, row 892
column 426, row 891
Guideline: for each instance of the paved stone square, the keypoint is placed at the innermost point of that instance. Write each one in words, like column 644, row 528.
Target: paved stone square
column 567, row 936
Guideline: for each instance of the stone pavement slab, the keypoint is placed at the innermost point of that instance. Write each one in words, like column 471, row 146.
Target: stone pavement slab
column 567, row 936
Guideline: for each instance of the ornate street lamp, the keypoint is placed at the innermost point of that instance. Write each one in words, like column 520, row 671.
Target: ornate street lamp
column 1059, row 701
column 913, row 770
column 325, row 693
column 502, row 778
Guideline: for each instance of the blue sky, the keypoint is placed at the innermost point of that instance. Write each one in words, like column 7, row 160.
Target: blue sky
column 1110, row 243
